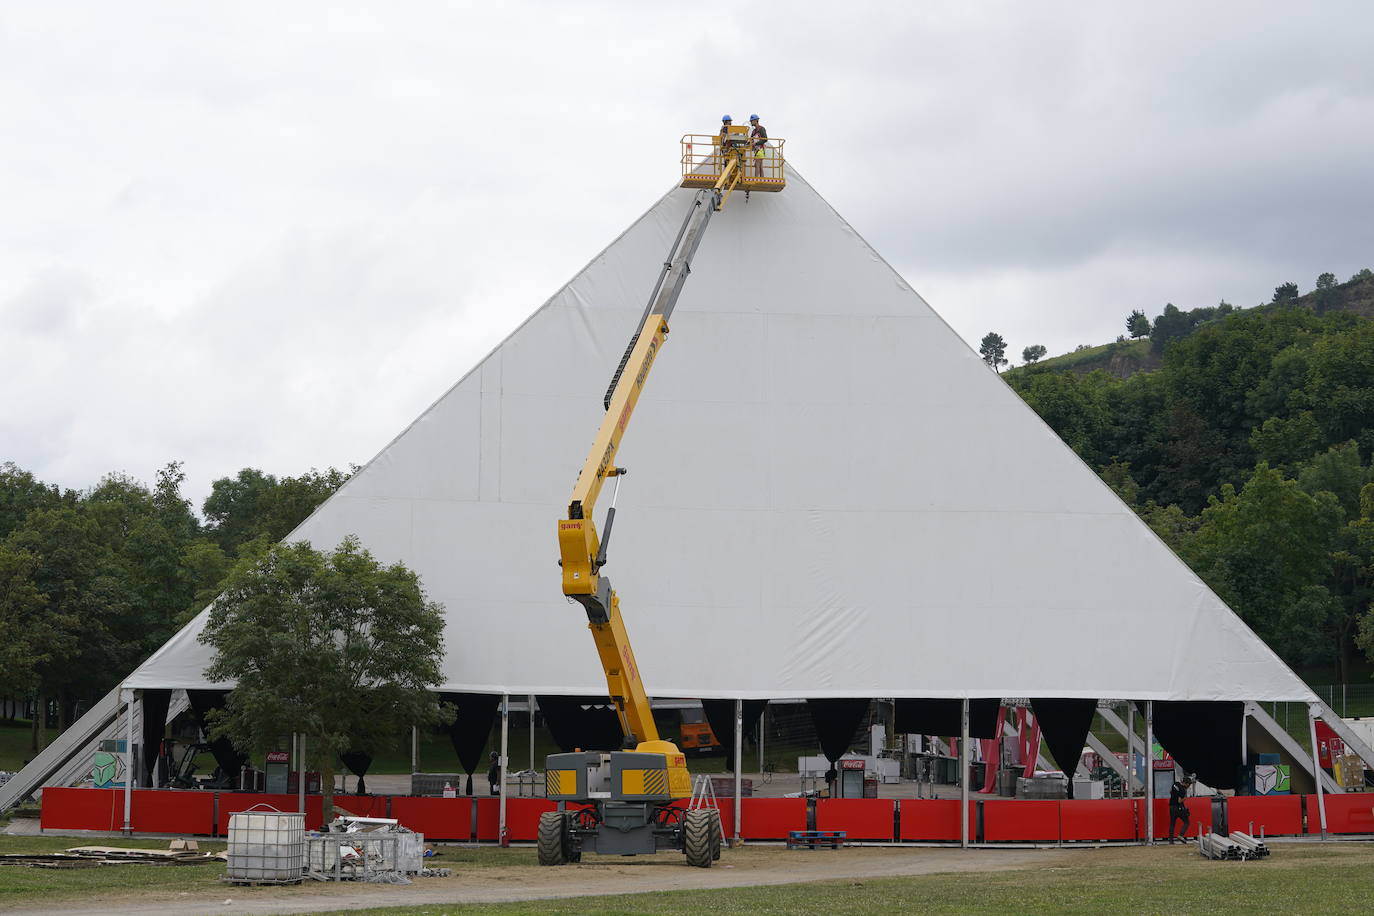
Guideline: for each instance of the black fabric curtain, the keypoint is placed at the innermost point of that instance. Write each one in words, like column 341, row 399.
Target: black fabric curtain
column 720, row 715
column 589, row 723
column 471, row 727
column 1064, row 726
column 942, row 717
column 155, row 705
column 358, row 763
column 836, row 720
column 229, row 760
column 1203, row 736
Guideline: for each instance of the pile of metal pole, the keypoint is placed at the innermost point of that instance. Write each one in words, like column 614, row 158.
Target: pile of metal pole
column 1236, row 847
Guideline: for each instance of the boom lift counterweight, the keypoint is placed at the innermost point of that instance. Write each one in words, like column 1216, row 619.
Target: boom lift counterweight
column 628, row 797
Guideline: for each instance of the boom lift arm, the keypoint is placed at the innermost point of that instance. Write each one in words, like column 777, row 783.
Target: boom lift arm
column 583, row 551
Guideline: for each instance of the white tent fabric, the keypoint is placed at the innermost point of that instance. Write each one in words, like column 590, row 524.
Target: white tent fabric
column 830, row 495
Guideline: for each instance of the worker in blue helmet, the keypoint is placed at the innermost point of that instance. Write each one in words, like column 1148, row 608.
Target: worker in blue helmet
column 758, row 142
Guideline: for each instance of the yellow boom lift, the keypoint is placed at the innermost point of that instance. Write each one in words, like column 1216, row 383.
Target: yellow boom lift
column 630, row 801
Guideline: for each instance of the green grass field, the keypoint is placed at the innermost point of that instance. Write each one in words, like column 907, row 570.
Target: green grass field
column 1333, row 879
column 1308, row 878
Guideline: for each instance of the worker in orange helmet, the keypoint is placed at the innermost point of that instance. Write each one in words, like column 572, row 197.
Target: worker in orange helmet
column 758, row 141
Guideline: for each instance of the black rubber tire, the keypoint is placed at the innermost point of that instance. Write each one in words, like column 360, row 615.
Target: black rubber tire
column 700, row 835
column 719, row 835
column 552, row 841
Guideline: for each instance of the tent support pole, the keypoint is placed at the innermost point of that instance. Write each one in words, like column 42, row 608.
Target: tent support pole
column 762, row 716
column 739, row 764
column 1312, row 713
column 1149, row 773
column 531, row 710
column 128, row 760
column 414, row 749
column 1244, row 736
column 963, row 774
column 1130, row 749
column 300, row 773
column 505, row 749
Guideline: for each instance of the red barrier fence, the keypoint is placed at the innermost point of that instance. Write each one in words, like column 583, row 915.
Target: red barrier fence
column 913, row 820
column 931, row 820
column 1108, row 820
column 859, row 818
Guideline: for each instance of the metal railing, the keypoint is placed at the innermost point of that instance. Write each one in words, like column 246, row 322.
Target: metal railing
column 703, row 159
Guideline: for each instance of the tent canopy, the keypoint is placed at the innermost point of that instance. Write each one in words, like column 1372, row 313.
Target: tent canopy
column 831, row 496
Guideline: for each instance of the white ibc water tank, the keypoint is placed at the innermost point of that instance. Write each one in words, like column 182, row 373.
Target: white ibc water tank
column 266, row 847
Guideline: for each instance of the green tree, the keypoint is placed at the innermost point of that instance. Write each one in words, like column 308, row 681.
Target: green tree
column 1286, row 292
column 334, row 646
column 1265, row 549
column 993, row 349
column 1033, row 354
column 1137, row 325
column 21, row 493
column 253, row 505
column 1326, row 280
column 1169, row 325
column 73, row 647
column 21, row 604
column 1363, row 273
column 1285, row 440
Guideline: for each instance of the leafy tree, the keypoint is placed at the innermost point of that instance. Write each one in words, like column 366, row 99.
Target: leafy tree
column 21, row 493
column 1265, row 549
column 21, row 603
column 1340, row 385
column 1137, row 325
column 334, row 646
column 1169, row 325
column 1285, row 440
column 70, row 638
column 1286, row 292
column 1074, row 405
column 1326, row 281
column 1117, row 475
column 253, row 505
column 1363, row 273
column 993, row 349
column 1033, row 354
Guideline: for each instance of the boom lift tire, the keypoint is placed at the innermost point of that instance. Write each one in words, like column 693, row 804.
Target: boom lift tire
column 555, row 842
column 701, row 836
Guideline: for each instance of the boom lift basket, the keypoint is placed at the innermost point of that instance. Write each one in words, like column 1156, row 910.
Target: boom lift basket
column 703, row 160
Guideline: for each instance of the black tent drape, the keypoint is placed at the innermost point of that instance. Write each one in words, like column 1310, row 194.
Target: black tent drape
column 720, row 715
column 155, row 705
column 589, row 723
column 1064, row 725
column 943, row 717
column 471, row 727
column 229, row 760
column 1203, row 736
column 836, row 720
column 358, row 763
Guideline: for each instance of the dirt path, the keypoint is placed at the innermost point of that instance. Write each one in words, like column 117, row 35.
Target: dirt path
column 742, row 867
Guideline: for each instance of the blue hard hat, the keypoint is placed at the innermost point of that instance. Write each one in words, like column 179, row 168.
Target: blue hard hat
column 726, row 118
column 753, row 117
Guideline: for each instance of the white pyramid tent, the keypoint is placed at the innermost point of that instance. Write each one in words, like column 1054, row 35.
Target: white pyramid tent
column 830, row 495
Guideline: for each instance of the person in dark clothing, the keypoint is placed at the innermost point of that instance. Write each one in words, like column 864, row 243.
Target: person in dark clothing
column 1178, row 809
column 758, row 141
column 494, row 773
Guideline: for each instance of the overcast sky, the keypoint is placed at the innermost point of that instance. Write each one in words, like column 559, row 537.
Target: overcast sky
column 270, row 234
